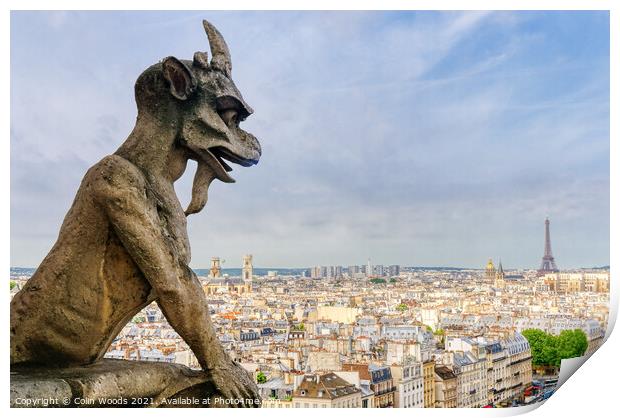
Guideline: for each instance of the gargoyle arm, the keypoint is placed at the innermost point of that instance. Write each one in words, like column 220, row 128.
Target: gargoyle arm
column 122, row 195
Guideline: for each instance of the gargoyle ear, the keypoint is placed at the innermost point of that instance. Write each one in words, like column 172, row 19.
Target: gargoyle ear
column 181, row 79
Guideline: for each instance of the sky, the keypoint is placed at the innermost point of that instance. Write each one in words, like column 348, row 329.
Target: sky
column 412, row 138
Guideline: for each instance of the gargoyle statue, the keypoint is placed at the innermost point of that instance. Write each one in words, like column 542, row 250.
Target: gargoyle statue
column 123, row 244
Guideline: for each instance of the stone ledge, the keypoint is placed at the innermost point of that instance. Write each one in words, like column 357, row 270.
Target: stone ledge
column 113, row 383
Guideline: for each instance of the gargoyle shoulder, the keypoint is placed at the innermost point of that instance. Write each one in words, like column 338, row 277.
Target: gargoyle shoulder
column 114, row 177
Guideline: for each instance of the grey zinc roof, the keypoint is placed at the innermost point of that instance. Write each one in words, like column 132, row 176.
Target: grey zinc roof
column 276, row 383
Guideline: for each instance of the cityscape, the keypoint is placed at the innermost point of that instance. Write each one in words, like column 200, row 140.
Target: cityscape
column 382, row 336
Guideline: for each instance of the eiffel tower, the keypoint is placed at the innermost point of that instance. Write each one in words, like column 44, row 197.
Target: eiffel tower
column 548, row 262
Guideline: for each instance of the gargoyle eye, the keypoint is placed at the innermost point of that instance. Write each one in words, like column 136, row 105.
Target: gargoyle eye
column 230, row 117
column 231, row 110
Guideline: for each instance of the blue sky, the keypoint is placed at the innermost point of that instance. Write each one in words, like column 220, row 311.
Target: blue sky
column 417, row 138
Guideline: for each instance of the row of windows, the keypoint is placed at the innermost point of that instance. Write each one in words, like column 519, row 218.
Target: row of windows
column 412, row 401
column 412, row 386
column 349, row 403
column 470, row 377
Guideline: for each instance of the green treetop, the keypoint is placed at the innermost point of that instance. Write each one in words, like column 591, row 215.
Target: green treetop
column 402, row 307
column 549, row 350
column 260, row 377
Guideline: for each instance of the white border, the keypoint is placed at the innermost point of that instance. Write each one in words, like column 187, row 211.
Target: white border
column 591, row 391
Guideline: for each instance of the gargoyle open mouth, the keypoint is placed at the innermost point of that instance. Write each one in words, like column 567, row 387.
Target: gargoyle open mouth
column 212, row 164
column 224, row 153
column 216, row 157
column 218, row 154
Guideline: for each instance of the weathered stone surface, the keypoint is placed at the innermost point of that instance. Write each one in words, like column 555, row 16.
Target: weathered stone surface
column 115, row 383
column 123, row 244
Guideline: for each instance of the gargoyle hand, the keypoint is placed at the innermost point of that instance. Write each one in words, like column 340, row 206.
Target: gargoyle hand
column 235, row 385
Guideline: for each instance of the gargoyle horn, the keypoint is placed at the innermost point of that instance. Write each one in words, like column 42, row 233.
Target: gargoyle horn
column 219, row 50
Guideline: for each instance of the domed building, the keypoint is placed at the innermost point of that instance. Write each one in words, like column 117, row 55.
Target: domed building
column 490, row 272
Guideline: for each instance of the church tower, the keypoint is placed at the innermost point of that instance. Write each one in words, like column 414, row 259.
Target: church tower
column 246, row 272
column 216, row 268
column 490, row 272
column 500, row 283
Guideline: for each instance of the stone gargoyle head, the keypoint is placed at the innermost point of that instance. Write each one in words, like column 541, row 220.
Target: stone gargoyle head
column 201, row 102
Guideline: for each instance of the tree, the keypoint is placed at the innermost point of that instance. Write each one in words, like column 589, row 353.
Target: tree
column 549, row 354
column 260, row 377
column 393, row 280
column 544, row 352
column 377, row 281
column 549, row 350
column 572, row 343
column 402, row 307
column 13, row 284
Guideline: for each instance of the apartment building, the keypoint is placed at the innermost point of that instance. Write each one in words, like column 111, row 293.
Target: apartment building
column 468, row 360
column 497, row 373
column 429, row 383
column 445, row 387
column 380, row 379
column 326, row 391
column 409, row 381
column 519, row 368
column 577, row 282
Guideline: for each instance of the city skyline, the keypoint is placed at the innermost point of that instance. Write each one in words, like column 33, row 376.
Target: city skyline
column 480, row 267
column 498, row 343
column 419, row 138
